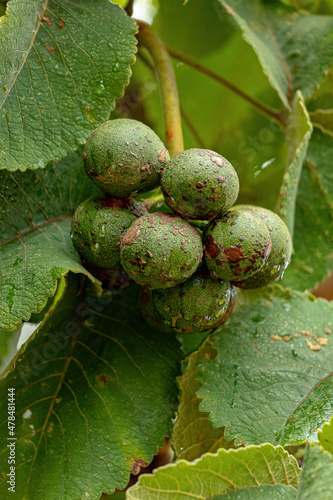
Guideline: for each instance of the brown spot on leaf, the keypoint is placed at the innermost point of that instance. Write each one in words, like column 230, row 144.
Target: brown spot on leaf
column 137, row 464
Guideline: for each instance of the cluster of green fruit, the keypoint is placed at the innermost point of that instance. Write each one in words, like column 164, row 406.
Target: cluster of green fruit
column 246, row 247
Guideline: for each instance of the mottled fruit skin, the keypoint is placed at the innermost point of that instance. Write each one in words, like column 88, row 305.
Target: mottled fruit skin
column 199, row 184
column 280, row 253
column 160, row 250
column 148, row 312
column 97, row 226
column 236, row 246
column 124, row 157
column 197, row 305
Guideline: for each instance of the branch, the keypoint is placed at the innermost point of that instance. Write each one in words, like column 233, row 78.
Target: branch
column 267, row 111
column 166, row 78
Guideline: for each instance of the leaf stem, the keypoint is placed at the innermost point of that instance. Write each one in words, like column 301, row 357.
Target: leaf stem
column 154, row 201
column 273, row 114
column 148, row 38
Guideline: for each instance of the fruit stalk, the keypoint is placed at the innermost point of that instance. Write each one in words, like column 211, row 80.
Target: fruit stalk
column 167, row 82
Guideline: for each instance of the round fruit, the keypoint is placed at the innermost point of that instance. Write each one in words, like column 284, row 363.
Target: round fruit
column 124, row 157
column 280, row 253
column 196, row 305
column 199, row 184
column 160, row 250
column 97, row 226
column 236, row 246
column 148, row 311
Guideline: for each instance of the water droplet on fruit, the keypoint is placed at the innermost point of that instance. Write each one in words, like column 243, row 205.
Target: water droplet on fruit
column 116, row 68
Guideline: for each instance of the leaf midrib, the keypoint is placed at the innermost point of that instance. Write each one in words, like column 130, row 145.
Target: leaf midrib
column 27, row 51
column 35, row 228
column 321, row 381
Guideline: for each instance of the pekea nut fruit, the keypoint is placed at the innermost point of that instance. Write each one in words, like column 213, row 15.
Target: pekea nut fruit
column 280, row 253
column 197, row 305
column 236, row 246
column 97, row 226
column 124, row 157
column 160, row 250
column 199, row 184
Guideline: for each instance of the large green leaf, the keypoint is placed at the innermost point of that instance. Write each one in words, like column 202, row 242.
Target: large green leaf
column 193, row 434
column 272, row 379
column 316, row 480
column 35, row 245
column 95, row 394
column 313, row 237
column 325, row 436
column 294, row 48
column 63, row 64
column 215, row 474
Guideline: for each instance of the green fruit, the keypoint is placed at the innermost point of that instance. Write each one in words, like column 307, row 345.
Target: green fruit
column 148, row 311
column 199, row 184
column 97, row 226
column 236, row 246
column 160, row 250
column 124, row 157
column 280, row 253
column 197, row 305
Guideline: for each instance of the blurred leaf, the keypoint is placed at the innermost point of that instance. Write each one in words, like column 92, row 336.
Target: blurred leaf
column 36, row 249
column 193, row 434
column 194, row 27
column 316, row 479
column 293, row 48
column 214, row 474
column 272, row 379
column 95, row 396
column 325, row 436
column 323, row 119
column 63, row 65
column 313, row 236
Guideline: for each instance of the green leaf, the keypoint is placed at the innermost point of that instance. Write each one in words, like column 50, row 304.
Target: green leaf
column 63, row 65
column 325, row 436
column 317, row 475
column 193, row 434
column 294, row 49
column 313, row 237
column 215, row 474
column 323, row 119
column 95, row 394
column 273, row 492
column 35, row 245
column 272, row 379
column 298, row 133
column 205, row 15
